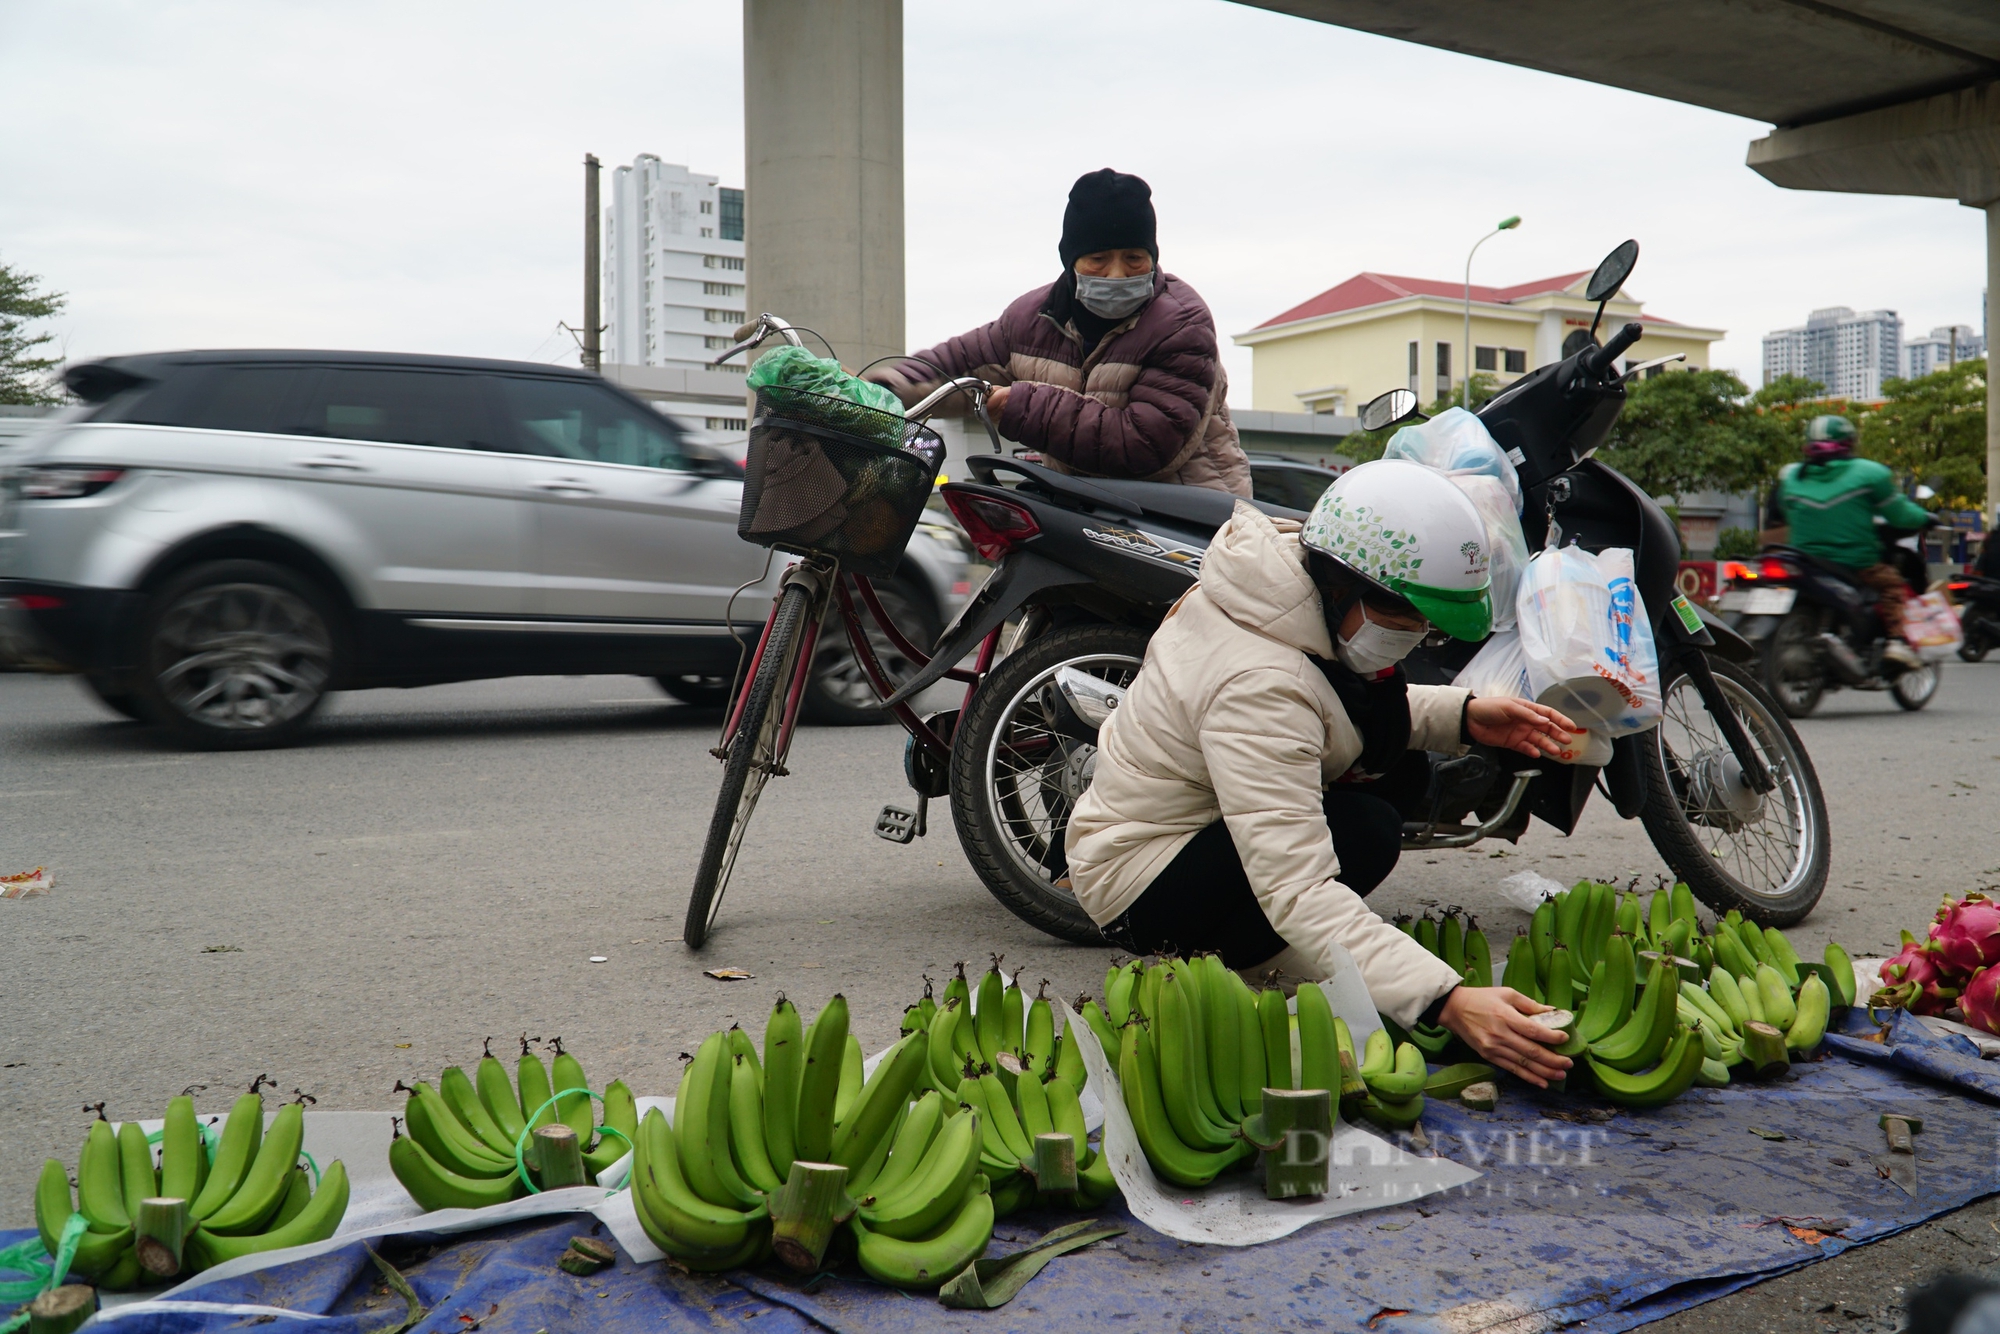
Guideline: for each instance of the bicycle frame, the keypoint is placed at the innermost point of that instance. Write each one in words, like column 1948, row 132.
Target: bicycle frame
column 826, row 583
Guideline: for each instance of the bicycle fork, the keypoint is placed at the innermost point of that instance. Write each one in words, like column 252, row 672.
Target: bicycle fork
column 818, row 581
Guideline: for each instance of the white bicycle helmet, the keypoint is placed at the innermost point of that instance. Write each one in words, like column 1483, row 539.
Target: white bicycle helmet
column 1409, row 532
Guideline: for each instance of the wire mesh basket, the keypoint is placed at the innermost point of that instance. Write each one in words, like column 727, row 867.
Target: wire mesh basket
column 828, row 476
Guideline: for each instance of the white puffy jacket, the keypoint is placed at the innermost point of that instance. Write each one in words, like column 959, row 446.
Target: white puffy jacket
column 1229, row 720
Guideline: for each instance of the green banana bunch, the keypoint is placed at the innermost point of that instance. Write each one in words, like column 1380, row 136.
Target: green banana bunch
column 928, row 1261
column 1809, row 1024
column 1521, row 973
column 1170, row 1156
column 700, row 1234
column 935, row 1187
column 255, row 1197
column 1842, row 968
column 1673, row 1074
column 1774, row 997
column 1638, row 1043
column 316, row 1220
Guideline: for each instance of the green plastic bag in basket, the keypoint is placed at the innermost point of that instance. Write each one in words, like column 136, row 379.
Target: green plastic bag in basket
column 786, row 370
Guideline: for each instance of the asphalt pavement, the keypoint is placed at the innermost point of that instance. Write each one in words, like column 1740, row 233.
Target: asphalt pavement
column 436, row 866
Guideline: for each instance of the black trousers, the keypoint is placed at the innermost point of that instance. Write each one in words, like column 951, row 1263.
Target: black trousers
column 1203, row 902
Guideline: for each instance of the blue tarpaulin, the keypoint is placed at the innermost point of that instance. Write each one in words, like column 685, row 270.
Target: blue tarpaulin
column 1584, row 1214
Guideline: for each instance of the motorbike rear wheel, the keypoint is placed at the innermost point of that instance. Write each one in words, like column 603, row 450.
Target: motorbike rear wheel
column 1017, row 771
column 1976, row 643
column 1764, row 854
column 1791, row 668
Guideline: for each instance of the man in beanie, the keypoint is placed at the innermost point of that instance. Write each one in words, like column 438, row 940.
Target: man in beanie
column 1112, row 370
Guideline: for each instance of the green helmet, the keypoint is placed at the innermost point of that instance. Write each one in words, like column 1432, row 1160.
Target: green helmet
column 1409, row 531
column 1829, row 438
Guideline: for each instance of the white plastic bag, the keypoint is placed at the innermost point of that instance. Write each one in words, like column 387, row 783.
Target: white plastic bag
column 1499, row 668
column 1587, row 640
column 1932, row 627
column 1505, row 544
column 1527, row 889
column 1457, row 444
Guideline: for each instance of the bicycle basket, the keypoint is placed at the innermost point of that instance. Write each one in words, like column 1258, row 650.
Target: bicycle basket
column 828, row 476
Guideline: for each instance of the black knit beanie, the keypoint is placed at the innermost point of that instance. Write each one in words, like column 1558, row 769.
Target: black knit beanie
column 1108, row 210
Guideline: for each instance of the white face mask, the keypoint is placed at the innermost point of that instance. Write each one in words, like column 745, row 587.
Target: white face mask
column 1376, row 648
column 1114, row 298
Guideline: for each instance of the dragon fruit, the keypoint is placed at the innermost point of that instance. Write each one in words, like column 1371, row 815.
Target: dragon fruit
column 1981, row 1001
column 1967, row 933
column 1919, row 979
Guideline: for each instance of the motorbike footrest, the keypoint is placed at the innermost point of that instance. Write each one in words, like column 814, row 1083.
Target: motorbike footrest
column 899, row 825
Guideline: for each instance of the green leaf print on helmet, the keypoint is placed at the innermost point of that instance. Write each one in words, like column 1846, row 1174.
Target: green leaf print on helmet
column 1410, row 531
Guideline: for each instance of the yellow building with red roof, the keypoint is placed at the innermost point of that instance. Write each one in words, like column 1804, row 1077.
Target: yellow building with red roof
column 1377, row 332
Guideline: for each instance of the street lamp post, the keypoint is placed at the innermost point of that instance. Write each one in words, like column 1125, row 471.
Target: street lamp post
column 1506, row 225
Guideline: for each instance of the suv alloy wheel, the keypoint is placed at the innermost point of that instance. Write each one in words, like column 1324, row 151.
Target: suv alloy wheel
column 236, row 654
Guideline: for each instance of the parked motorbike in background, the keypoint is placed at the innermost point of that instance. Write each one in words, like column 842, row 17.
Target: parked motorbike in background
column 1087, row 567
column 1978, row 598
column 1817, row 629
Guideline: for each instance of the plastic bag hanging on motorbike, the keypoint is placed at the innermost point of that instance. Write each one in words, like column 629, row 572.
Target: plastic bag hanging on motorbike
column 1499, row 668
column 1505, row 543
column 1588, row 641
column 1932, row 626
column 1457, row 444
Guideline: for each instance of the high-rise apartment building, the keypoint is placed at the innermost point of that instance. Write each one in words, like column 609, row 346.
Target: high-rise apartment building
column 673, row 266
column 1852, row 355
column 1944, row 345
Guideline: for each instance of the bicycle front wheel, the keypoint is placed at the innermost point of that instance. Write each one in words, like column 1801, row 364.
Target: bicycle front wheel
column 751, row 760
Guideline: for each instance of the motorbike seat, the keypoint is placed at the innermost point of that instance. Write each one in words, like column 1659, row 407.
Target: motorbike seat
column 1193, row 507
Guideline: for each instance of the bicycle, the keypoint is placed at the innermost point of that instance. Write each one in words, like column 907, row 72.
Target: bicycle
column 823, row 481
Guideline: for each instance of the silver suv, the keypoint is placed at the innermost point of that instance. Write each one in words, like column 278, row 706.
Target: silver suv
column 221, row 538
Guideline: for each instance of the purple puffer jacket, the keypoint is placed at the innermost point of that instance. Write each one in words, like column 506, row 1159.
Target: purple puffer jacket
column 1149, row 402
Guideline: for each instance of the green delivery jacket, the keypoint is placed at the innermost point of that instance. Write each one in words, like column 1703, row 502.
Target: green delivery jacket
column 1831, row 509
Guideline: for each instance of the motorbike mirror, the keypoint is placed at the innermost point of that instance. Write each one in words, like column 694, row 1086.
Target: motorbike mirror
column 1388, row 409
column 1612, row 272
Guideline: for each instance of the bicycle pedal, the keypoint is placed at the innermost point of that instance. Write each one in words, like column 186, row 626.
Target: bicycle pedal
column 896, row 824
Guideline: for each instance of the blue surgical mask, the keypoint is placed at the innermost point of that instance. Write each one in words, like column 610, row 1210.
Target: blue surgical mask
column 1114, row 298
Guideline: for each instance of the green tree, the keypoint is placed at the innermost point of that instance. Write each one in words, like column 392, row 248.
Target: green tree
column 1686, row 431
column 1933, row 430
column 25, row 377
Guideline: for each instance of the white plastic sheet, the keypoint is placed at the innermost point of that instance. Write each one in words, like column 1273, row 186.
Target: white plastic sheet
column 1367, row 1171
column 1527, row 889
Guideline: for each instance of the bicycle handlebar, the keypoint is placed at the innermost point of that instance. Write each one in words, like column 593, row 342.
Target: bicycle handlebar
column 751, row 334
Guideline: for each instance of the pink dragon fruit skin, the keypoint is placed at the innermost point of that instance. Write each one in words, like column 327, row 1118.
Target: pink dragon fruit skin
column 1918, row 979
column 1967, row 933
column 1981, row 1001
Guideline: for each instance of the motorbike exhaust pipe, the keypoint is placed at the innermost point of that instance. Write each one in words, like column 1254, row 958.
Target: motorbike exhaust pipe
column 1849, row 667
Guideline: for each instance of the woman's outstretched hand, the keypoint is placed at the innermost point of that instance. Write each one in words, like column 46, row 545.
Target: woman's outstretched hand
column 1494, row 1022
column 1533, row 729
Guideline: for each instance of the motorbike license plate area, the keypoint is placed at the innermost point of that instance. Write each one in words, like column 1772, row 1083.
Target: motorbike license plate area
column 1760, row 601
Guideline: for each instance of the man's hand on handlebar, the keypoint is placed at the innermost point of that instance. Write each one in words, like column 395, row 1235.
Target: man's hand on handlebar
column 1494, row 1022
column 996, row 402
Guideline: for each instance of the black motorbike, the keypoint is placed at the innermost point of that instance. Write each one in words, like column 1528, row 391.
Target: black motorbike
column 1978, row 598
column 1087, row 567
column 1817, row 630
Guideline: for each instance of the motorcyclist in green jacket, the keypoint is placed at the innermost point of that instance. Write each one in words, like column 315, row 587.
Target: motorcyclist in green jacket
column 1826, row 506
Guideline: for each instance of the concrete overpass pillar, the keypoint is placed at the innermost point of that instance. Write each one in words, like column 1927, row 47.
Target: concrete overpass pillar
column 823, row 169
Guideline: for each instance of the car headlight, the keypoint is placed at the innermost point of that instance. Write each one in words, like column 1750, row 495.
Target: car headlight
column 63, row 481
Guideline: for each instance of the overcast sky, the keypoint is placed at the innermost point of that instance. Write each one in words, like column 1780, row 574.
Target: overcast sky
column 405, row 175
